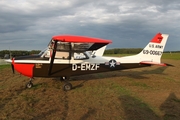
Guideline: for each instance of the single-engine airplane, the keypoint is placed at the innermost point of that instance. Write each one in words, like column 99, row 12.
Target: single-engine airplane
column 69, row 55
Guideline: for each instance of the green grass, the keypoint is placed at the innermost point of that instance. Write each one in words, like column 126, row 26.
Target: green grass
column 119, row 89
column 172, row 56
column 140, row 84
column 4, row 66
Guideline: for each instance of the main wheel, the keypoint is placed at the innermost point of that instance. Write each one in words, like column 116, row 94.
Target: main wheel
column 29, row 85
column 67, row 86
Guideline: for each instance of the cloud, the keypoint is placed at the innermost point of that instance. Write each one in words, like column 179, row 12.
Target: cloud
column 31, row 24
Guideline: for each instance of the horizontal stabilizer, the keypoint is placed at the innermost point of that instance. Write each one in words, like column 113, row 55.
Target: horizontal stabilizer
column 154, row 63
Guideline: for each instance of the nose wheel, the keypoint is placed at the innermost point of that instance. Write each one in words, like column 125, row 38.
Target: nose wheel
column 29, row 84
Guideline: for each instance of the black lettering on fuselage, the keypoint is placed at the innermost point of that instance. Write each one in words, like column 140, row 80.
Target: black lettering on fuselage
column 85, row 66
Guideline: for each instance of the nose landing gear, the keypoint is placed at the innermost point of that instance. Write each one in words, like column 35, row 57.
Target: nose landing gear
column 30, row 83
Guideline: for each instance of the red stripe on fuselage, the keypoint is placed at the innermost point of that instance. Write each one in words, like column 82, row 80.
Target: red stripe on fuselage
column 25, row 69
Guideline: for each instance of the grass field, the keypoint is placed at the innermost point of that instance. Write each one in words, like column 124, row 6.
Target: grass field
column 138, row 94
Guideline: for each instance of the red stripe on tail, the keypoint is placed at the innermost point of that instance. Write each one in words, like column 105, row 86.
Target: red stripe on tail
column 157, row 39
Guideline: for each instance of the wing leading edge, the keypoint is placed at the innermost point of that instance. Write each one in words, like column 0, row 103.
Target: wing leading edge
column 79, row 39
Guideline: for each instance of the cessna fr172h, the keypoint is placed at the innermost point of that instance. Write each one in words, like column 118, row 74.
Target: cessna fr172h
column 68, row 55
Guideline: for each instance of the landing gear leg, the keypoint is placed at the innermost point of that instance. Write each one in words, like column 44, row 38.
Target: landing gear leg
column 67, row 86
column 29, row 84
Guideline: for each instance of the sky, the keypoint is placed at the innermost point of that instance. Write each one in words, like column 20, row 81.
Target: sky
column 30, row 24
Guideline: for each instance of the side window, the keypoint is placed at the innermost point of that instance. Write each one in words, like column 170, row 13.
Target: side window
column 62, row 55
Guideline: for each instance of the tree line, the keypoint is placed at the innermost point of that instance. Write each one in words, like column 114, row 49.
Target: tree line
column 6, row 53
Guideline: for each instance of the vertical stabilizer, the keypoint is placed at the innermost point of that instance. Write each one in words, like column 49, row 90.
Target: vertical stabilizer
column 154, row 50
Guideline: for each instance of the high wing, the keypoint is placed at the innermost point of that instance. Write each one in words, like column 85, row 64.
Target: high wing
column 79, row 43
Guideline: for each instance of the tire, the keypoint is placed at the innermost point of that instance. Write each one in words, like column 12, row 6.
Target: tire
column 67, row 86
column 29, row 85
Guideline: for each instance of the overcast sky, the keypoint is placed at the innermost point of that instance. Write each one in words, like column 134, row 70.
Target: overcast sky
column 30, row 24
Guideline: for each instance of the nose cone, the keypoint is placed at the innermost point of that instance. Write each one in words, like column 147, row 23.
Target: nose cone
column 25, row 69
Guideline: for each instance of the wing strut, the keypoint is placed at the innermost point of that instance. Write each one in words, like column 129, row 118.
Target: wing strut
column 52, row 57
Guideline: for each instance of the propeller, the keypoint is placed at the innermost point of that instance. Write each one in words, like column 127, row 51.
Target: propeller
column 12, row 65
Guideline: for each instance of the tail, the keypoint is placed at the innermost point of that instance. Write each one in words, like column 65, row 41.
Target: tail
column 152, row 53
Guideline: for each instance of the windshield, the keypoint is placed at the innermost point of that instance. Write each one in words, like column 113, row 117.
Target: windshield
column 43, row 52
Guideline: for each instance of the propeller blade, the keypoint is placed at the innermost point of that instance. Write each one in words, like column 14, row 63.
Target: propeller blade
column 12, row 66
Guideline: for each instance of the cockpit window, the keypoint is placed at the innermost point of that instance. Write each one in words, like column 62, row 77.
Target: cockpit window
column 66, row 50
